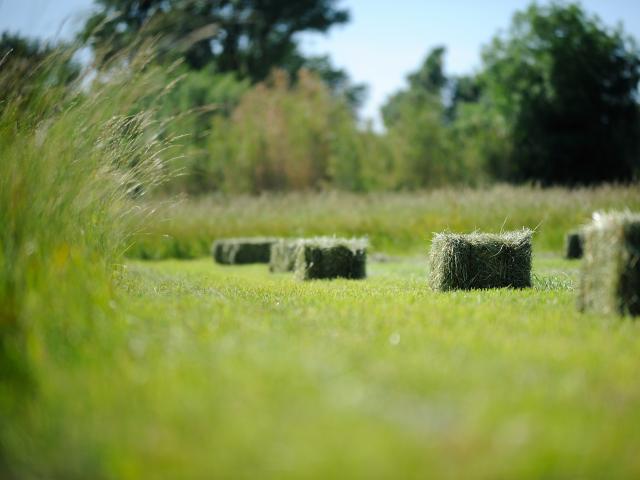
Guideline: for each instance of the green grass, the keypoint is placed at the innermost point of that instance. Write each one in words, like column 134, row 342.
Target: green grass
column 400, row 222
column 232, row 372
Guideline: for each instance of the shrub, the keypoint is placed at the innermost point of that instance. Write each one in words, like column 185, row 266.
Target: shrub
column 610, row 273
column 480, row 260
column 293, row 136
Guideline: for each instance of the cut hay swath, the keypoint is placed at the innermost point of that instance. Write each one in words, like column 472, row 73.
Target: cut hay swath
column 283, row 255
column 328, row 258
column 610, row 270
column 573, row 244
column 237, row 251
column 480, row 260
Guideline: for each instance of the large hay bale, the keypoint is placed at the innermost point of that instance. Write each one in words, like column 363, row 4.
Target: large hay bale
column 573, row 244
column 327, row 258
column 610, row 270
column 237, row 251
column 283, row 255
column 480, row 260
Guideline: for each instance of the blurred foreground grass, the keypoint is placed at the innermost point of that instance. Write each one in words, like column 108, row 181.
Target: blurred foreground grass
column 394, row 222
column 232, row 372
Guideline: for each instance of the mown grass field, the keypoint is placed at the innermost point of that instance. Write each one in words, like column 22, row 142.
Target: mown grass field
column 232, row 372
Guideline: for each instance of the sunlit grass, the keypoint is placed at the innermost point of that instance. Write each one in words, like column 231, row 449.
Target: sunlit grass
column 235, row 372
column 394, row 222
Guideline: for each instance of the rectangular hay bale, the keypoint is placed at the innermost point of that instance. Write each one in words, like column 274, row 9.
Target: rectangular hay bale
column 328, row 258
column 239, row 251
column 283, row 255
column 480, row 260
column 573, row 244
column 610, row 270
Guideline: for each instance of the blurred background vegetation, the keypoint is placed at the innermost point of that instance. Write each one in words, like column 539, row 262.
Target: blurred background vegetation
column 555, row 101
column 213, row 99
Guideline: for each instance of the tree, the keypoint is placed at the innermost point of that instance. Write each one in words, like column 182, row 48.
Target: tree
column 336, row 79
column 568, row 86
column 424, row 87
column 249, row 37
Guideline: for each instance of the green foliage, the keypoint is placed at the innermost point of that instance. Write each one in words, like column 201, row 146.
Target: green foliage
column 285, row 136
column 423, row 152
column 248, row 38
column 567, row 86
column 336, row 79
column 188, row 111
column 437, row 132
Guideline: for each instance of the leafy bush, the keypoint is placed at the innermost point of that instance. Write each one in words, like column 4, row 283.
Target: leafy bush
column 285, row 136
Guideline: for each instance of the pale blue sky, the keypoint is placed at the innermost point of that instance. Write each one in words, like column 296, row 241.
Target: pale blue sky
column 384, row 41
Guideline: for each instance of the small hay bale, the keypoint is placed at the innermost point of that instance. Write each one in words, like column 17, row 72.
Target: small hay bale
column 238, row 251
column 610, row 270
column 327, row 258
column 480, row 260
column 283, row 255
column 573, row 244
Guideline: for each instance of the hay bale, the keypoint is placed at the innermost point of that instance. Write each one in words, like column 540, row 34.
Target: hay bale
column 238, row 251
column 573, row 244
column 480, row 260
column 327, row 258
column 283, row 255
column 610, row 270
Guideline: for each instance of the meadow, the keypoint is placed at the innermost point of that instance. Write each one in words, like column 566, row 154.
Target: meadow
column 208, row 371
column 126, row 352
column 399, row 223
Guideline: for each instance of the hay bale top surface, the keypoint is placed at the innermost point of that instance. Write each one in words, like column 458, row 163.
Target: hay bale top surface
column 514, row 238
column 353, row 244
column 612, row 220
column 248, row 240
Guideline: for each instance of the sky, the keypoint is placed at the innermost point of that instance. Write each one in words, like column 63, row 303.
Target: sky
column 384, row 41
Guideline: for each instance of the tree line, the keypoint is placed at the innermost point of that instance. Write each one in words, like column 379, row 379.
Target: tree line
column 555, row 100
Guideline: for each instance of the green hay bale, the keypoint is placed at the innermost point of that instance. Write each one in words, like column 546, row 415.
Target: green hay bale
column 480, row 260
column 610, row 270
column 573, row 244
column 327, row 258
column 283, row 255
column 238, row 251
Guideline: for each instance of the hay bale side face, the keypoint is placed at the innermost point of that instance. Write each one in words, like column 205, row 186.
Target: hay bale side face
column 610, row 271
column 283, row 256
column 478, row 261
column 222, row 252
column 239, row 251
column 331, row 258
column 573, row 245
